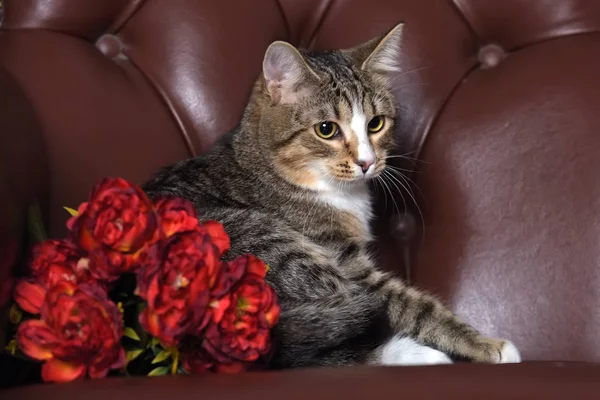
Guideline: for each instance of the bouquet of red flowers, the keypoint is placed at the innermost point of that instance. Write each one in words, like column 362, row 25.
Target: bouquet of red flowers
column 140, row 287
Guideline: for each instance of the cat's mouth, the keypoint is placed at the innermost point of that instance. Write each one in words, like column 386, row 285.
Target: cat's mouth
column 359, row 175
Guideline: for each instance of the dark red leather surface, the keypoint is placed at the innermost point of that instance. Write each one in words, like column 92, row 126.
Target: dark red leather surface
column 23, row 178
column 518, row 23
column 498, row 101
column 85, row 19
column 510, row 174
column 543, row 381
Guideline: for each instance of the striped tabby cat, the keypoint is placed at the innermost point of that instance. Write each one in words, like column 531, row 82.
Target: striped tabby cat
column 290, row 186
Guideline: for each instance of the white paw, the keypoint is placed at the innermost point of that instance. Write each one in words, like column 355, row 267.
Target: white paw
column 428, row 356
column 405, row 351
column 509, row 353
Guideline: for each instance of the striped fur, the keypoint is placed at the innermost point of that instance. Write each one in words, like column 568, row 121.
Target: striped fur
column 298, row 202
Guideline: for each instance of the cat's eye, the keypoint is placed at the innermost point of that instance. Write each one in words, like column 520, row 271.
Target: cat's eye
column 326, row 129
column 376, row 124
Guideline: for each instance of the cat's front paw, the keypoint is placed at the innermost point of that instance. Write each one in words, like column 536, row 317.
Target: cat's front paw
column 493, row 351
column 509, row 354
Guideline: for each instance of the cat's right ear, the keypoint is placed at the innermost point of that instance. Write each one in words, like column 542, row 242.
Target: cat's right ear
column 379, row 55
column 287, row 76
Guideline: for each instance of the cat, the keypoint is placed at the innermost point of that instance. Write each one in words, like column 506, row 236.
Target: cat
column 290, row 185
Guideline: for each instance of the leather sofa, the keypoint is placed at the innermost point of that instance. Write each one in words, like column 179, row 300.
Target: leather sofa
column 499, row 124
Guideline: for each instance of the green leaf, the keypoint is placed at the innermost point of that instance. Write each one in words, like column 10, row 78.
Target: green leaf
column 133, row 354
column 162, row 356
column 12, row 347
column 130, row 333
column 35, row 223
column 15, row 315
column 159, row 371
column 71, row 211
column 175, row 363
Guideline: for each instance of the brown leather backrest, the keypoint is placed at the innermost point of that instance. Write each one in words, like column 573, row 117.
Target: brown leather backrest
column 498, row 100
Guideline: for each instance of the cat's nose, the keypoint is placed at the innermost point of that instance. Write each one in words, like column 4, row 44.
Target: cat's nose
column 365, row 165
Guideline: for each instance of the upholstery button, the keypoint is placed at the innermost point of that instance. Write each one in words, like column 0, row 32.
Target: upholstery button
column 491, row 55
column 404, row 225
column 110, row 45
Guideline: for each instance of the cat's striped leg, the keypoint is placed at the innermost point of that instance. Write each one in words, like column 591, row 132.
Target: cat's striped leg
column 419, row 316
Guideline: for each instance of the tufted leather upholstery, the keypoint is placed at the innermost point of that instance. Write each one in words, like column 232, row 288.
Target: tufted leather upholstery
column 498, row 113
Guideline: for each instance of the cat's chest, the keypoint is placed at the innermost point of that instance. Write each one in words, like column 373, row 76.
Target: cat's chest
column 354, row 211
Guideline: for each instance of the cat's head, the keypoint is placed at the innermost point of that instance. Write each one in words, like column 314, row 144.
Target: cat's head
column 327, row 119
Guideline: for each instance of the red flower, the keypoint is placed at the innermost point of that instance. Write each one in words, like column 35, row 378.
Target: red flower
column 196, row 360
column 176, row 215
column 218, row 235
column 54, row 261
column 80, row 210
column 241, row 332
column 79, row 333
column 178, row 293
column 179, row 215
column 30, row 295
column 116, row 227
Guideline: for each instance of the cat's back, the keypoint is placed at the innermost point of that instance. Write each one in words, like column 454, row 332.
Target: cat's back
column 212, row 179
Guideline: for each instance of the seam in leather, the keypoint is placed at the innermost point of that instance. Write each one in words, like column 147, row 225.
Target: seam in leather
column 286, row 21
column 421, row 143
column 170, row 106
column 117, row 25
column 459, row 9
column 323, row 10
column 125, row 15
column 419, row 147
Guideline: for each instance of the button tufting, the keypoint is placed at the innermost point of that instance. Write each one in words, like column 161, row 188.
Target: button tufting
column 491, row 55
column 404, row 225
column 110, row 45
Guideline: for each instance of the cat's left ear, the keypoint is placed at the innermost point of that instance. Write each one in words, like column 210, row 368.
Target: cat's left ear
column 380, row 55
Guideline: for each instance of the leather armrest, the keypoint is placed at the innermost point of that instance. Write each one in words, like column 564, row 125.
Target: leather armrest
column 537, row 380
column 23, row 178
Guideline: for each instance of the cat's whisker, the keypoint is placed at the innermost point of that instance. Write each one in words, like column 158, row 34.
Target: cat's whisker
column 394, row 88
column 403, row 184
column 405, row 157
column 376, row 180
column 410, row 171
column 414, row 201
column 392, row 195
column 410, row 72
column 409, row 182
column 389, row 190
column 403, row 154
column 391, row 182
